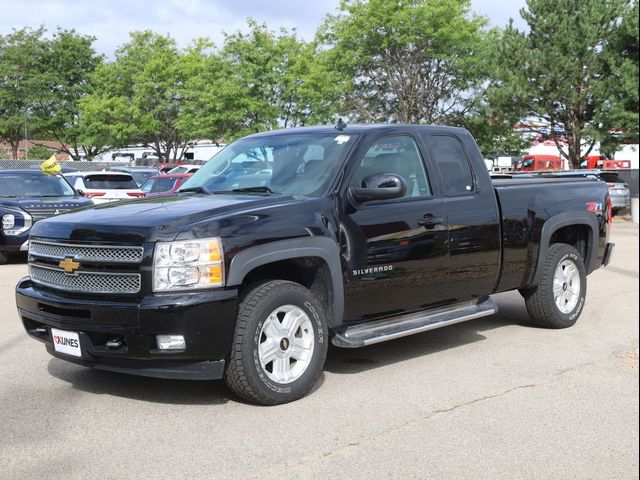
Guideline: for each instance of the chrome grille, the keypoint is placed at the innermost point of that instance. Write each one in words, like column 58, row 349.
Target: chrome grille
column 85, row 281
column 91, row 253
column 40, row 213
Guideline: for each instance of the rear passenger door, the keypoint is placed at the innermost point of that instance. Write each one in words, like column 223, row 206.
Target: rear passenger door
column 473, row 217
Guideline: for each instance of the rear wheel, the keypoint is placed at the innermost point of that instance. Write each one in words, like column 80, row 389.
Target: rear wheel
column 280, row 343
column 558, row 299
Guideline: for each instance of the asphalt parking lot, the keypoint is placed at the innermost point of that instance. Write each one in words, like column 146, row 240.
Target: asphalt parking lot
column 492, row 398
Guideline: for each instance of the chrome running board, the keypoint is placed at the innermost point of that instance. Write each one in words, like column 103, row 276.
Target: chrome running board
column 378, row 331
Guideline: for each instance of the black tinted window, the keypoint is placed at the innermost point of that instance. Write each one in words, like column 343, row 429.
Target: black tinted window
column 448, row 154
column 611, row 178
column 399, row 155
column 110, row 182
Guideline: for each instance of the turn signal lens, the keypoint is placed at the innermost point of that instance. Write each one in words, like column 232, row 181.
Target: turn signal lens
column 212, row 250
column 214, row 274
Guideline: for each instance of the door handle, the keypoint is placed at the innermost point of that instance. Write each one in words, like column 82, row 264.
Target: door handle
column 429, row 221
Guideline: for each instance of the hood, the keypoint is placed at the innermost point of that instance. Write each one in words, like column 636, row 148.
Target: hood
column 149, row 219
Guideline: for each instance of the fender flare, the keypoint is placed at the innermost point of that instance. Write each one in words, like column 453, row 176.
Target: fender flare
column 563, row 220
column 320, row 247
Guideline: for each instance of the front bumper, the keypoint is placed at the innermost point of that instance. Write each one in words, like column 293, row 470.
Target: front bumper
column 205, row 319
column 14, row 243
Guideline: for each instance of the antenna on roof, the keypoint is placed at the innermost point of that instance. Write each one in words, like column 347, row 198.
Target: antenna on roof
column 340, row 125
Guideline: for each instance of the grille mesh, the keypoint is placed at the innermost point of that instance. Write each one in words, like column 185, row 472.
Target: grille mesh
column 40, row 213
column 92, row 253
column 86, row 282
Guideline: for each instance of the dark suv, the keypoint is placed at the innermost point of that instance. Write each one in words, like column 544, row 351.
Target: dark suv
column 27, row 196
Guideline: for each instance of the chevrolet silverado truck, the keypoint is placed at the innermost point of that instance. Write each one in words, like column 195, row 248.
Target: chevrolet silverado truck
column 288, row 240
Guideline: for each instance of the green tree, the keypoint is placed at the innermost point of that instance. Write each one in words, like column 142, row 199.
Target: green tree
column 70, row 61
column 137, row 98
column 411, row 61
column 261, row 80
column 622, row 119
column 561, row 71
column 22, row 81
column 39, row 152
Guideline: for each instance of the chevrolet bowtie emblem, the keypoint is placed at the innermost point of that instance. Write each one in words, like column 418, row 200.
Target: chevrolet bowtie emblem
column 69, row 265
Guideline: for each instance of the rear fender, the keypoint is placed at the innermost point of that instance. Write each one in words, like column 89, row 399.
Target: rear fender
column 563, row 220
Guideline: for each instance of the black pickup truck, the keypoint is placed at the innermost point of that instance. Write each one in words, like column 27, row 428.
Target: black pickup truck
column 288, row 240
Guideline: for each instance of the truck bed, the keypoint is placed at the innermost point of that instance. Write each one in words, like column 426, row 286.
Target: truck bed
column 526, row 203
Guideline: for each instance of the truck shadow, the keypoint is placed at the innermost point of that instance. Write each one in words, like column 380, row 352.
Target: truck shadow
column 156, row 390
column 350, row 361
column 339, row 361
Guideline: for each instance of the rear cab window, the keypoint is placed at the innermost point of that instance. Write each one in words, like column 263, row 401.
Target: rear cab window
column 451, row 159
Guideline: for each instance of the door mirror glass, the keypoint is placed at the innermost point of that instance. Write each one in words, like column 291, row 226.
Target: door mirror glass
column 380, row 186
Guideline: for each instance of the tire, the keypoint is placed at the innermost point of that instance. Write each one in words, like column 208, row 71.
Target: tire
column 4, row 258
column 559, row 308
column 276, row 322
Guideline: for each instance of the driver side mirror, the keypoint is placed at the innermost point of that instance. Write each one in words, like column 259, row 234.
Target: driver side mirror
column 379, row 186
column 80, row 192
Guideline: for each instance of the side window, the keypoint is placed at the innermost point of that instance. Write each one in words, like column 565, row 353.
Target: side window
column 399, row 155
column 447, row 152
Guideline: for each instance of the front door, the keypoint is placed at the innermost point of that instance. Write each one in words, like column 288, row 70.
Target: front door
column 396, row 251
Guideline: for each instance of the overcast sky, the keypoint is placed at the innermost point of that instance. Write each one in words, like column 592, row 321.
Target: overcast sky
column 110, row 21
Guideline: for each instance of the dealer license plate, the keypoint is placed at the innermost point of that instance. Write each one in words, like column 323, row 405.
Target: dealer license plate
column 66, row 342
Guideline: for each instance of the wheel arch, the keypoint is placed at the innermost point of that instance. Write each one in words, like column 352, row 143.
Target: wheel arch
column 287, row 259
column 567, row 222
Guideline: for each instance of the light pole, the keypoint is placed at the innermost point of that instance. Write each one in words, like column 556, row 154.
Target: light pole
column 26, row 141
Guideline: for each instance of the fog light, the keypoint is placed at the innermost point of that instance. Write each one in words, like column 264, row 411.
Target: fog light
column 171, row 342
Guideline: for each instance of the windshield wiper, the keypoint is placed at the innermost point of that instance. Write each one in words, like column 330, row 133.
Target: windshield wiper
column 257, row 189
column 197, row 189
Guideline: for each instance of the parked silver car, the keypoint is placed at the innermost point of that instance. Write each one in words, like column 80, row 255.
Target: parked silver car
column 618, row 190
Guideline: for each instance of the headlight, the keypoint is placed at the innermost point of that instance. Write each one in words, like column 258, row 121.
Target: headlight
column 187, row 265
column 8, row 221
column 15, row 221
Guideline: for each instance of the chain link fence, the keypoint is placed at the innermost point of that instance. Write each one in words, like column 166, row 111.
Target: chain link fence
column 82, row 166
column 630, row 177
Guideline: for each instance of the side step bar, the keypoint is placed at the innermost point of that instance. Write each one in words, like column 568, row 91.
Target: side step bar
column 378, row 331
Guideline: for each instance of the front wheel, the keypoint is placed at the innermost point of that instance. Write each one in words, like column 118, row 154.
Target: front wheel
column 558, row 299
column 280, row 343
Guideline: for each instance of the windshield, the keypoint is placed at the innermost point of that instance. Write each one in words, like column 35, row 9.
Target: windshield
column 295, row 164
column 158, row 185
column 141, row 176
column 34, row 184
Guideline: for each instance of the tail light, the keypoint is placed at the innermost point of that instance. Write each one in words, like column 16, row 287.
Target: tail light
column 626, row 185
column 611, row 185
column 135, row 194
column 94, row 194
column 609, row 210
